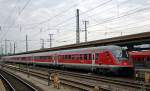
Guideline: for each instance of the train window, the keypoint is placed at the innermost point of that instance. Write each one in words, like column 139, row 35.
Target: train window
column 35, row 58
column 38, row 57
column 143, row 59
column 90, row 56
column 136, row 59
column 133, row 58
column 72, row 57
column 65, row 56
column 124, row 54
column 77, row 56
column 26, row 58
column 93, row 57
column 22, row 58
column 59, row 57
column 43, row 57
column 148, row 58
column 85, row 57
column 50, row 57
column 96, row 56
column 62, row 56
column 140, row 59
column 47, row 57
column 80, row 56
column 69, row 57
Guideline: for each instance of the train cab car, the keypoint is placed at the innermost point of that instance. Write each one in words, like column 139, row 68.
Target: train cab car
column 103, row 59
column 114, row 60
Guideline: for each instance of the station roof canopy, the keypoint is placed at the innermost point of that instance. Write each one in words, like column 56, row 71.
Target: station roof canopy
column 135, row 39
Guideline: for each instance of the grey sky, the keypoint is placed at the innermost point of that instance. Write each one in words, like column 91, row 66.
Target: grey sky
column 38, row 18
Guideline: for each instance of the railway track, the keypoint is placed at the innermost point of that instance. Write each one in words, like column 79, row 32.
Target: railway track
column 15, row 83
column 88, row 81
column 6, row 84
column 112, row 80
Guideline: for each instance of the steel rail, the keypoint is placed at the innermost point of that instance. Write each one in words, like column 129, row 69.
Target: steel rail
column 4, row 72
column 44, row 74
column 127, row 82
column 11, row 87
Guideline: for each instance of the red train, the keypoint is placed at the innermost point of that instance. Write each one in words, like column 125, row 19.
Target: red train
column 141, row 59
column 103, row 59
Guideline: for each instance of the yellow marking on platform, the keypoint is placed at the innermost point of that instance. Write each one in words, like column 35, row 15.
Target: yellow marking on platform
column 2, row 88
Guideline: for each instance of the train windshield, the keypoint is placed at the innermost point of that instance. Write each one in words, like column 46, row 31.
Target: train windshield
column 120, row 54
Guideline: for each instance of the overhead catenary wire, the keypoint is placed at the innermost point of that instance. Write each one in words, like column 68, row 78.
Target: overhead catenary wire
column 127, row 28
column 114, row 18
column 61, row 23
column 73, row 17
column 102, row 22
column 16, row 18
column 112, row 28
column 137, row 10
column 51, row 18
column 10, row 14
column 89, row 10
column 69, row 19
column 20, row 12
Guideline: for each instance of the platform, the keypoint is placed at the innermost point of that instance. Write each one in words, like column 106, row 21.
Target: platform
column 143, row 74
column 2, row 87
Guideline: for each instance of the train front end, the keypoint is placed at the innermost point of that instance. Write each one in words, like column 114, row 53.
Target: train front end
column 124, row 66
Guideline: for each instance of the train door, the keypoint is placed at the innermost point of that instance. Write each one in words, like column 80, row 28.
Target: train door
column 55, row 59
column 33, row 60
column 93, row 60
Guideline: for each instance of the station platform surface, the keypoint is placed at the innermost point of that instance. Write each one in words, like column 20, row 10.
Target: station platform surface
column 2, row 87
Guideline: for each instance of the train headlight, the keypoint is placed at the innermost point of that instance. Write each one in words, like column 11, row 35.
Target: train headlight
column 124, row 63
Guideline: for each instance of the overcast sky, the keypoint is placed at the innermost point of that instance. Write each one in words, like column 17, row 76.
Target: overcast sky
column 38, row 18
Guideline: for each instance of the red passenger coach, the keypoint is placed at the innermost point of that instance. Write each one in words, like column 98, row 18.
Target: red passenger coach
column 103, row 59
column 141, row 59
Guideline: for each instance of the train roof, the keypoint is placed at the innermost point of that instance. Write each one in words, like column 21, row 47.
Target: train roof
column 147, row 52
column 111, row 47
column 84, row 50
